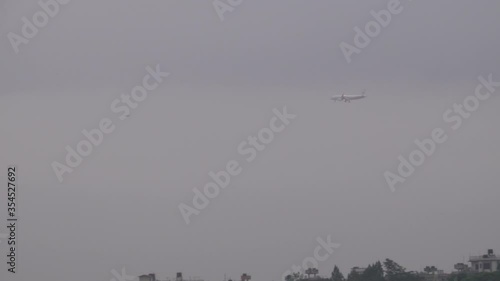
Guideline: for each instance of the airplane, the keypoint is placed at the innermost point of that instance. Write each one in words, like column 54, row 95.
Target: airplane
column 348, row 98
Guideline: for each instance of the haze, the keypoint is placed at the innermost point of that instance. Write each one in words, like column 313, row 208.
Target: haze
column 323, row 175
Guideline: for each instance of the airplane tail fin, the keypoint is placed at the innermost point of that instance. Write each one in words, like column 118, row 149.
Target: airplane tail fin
column 364, row 93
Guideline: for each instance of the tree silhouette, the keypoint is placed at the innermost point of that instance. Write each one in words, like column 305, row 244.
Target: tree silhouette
column 337, row 275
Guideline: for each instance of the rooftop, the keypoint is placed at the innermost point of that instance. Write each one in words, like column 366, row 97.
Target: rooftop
column 490, row 256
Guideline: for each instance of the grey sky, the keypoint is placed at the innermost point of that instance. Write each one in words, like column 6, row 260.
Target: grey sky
column 321, row 176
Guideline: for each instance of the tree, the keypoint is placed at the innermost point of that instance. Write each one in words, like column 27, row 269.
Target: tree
column 484, row 276
column 353, row 275
column 457, row 276
column 337, row 275
column 311, row 271
column 395, row 272
column 296, row 276
column 461, row 267
column 430, row 269
column 392, row 269
column 373, row 272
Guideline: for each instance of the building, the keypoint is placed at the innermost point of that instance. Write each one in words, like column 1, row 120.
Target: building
column 485, row 263
column 358, row 270
column 149, row 277
column 245, row 277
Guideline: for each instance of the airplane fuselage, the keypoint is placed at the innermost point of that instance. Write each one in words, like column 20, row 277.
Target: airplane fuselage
column 347, row 98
